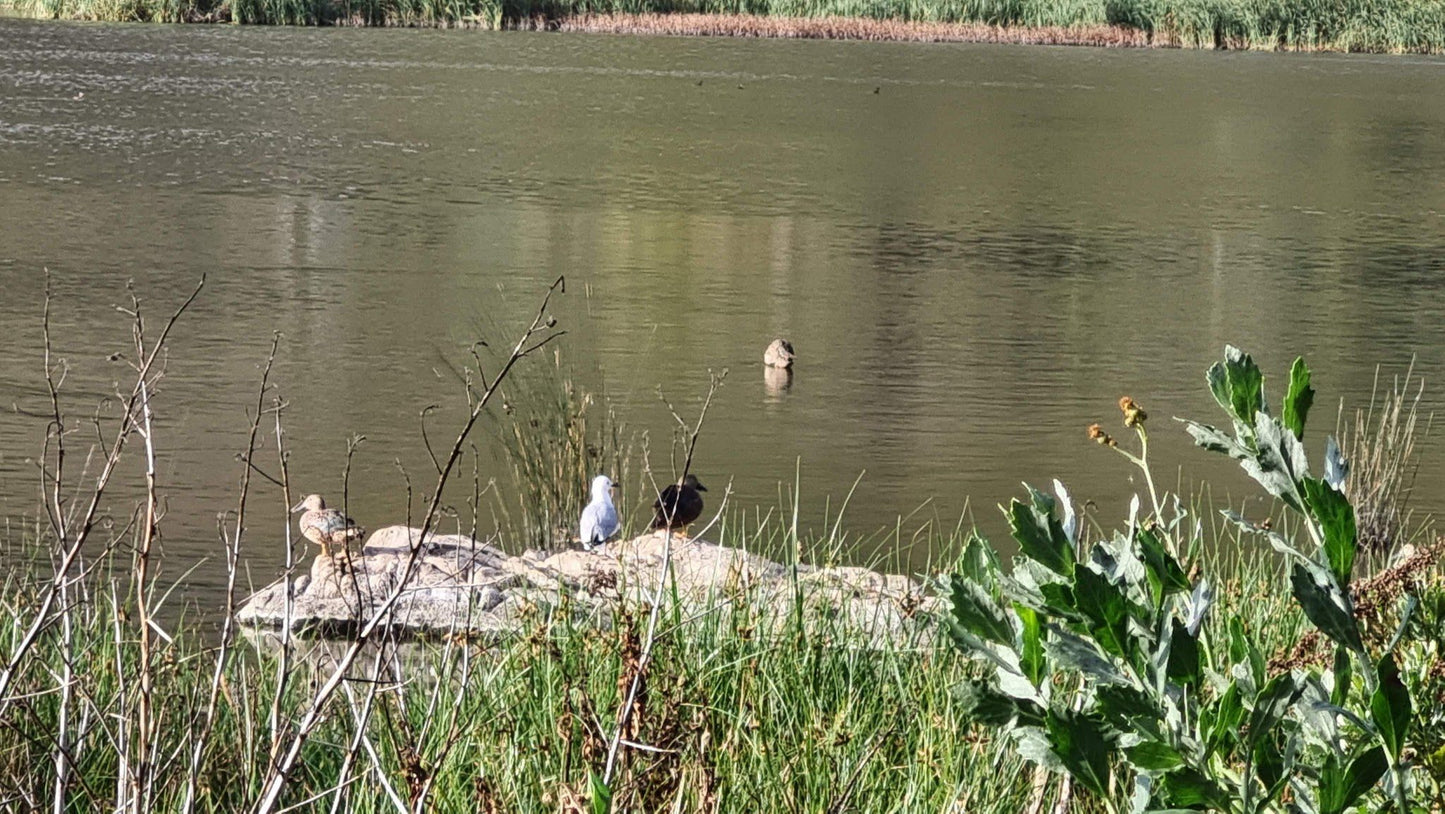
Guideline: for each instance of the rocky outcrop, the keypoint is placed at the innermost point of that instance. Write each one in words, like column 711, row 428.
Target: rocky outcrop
column 453, row 584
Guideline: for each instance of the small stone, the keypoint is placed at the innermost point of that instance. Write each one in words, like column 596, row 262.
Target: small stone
column 779, row 354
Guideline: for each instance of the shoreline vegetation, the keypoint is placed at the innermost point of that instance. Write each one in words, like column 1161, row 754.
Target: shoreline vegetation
column 1360, row 26
column 1175, row 659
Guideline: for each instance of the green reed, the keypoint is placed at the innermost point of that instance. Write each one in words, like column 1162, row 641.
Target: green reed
column 744, row 709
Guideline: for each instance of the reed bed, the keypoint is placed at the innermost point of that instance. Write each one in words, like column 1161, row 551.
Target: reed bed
column 1377, row 26
column 843, row 28
column 741, row 712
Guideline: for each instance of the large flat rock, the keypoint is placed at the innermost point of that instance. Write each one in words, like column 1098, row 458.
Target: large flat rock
column 453, row 584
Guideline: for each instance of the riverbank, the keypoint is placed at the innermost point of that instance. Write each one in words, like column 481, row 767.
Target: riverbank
column 1160, row 663
column 1393, row 26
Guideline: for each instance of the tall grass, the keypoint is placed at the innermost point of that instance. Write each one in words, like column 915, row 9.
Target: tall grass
column 743, row 711
column 557, row 435
column 1381, row 445
column 739, row 708
column 1384, row 26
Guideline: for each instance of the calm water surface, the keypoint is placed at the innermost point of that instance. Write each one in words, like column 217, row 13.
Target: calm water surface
column 976, row 250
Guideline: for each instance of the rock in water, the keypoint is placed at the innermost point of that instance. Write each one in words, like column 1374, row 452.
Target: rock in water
column 779, row 354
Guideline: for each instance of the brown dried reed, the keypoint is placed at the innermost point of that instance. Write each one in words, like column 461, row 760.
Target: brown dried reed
column 1381, row 449
column 845, row 28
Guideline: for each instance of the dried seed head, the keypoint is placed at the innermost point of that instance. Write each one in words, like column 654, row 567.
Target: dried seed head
column 1134, row 415
column 1097, row 434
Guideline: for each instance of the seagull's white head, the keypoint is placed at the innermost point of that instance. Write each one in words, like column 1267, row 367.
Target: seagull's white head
column 601, row 489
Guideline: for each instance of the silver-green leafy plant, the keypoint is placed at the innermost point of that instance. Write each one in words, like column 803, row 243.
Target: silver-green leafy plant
column 1113, row 664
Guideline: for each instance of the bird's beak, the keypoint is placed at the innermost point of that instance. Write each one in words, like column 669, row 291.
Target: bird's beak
column 701, row 488
column 298, row 507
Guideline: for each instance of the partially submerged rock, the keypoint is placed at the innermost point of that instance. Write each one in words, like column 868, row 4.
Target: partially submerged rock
column 453, row 584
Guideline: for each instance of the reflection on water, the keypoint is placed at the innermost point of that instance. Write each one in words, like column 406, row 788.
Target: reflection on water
column 976, row 262
column 777, row 381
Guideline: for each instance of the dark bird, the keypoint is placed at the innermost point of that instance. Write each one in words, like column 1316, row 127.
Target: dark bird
column 326, row 527
column 677, row 508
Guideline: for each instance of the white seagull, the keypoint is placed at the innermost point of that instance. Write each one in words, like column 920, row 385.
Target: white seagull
column 599, row 519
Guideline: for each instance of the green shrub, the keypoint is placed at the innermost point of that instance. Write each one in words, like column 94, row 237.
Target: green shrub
column 1112, row 664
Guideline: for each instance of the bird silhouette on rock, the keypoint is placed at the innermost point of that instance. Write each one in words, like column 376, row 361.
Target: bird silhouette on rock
column 678, row 507
column 599, row 519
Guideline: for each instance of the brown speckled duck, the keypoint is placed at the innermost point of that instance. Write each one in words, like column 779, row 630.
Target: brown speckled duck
column 326, row 527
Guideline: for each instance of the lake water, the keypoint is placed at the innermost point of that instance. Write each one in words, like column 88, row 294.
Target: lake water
column 975, row 250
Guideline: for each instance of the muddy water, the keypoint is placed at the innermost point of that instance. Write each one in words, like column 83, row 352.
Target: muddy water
column 976, row 250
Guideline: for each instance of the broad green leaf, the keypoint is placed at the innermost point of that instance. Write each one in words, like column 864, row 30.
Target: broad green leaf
column 984, row 705
column 1068, row 649
column 1218, row 379
column 1153, row 756
column 1276, row 540
column 1022, row 586
column 1336, row 518
column 1340, row 788
column 1165, row 575
column 1031, row 637
column 1185, row 664
column 1344, row 674
column 1106, row 608
column 1038, row 533
column 1128, row 709
column 1011, row 678
column 973, row 610
column 1238, row 385
column 1059, row 601
column 1270, row 765
column 1328, row 607
column 979, row 562
column 1199, row 601
column 1033, row 745
column 1299, row 398
column 1242, row 652
column 1315, row 710
column 1187, row 788
column 1081, row 742
column 1220, row 722
column 601, row 793
column 1279, row 461
column 1216, row 440
column 1271, row 705
column 1116, row 560
column 1390, row 706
